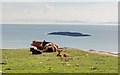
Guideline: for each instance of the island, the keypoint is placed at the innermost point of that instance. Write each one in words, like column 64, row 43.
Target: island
column 74, row 34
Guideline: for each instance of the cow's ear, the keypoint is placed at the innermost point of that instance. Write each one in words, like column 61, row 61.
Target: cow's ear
column 34, row 40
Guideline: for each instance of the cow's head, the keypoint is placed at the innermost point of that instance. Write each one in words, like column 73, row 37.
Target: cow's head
column 36, row 43
column 60, row 52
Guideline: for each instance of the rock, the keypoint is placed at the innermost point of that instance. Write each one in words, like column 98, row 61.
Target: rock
column 93, row 68
column 20, row 61
column 63, row 63
column 69, row 59
column 49, row 68
column 77, row 58
column 48, row 59
column 7, row 68
column 3, row 63
column 92, row 50
column 43, row 55
column 76, row 64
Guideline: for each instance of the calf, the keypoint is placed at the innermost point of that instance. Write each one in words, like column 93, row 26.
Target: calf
column 61, row 53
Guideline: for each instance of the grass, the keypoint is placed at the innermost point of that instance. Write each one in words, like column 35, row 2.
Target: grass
column 22, row 61
column 0, row 59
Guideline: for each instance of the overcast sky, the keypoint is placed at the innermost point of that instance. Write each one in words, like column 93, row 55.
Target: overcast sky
column 59, row 0
column 59, row 12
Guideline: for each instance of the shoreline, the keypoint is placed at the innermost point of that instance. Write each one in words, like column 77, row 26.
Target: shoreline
column 89, row 51
column 97, row 52
column 104, row 53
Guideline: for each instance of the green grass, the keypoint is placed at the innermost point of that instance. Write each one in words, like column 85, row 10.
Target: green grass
column 0, row 59
column 22, row 61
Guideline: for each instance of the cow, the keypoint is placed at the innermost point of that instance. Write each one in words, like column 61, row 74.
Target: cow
column 45, row 46
column 61, row 53
column 49, row 46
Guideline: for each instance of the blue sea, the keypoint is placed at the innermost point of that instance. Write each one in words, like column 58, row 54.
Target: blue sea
column 103, row 37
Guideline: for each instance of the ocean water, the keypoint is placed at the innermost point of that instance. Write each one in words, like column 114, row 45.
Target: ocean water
column 103, row 37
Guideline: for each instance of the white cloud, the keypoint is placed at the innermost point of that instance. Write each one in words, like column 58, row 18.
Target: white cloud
column 59, row 12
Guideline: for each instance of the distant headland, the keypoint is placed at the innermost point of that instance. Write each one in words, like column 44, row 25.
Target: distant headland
column 73, row 34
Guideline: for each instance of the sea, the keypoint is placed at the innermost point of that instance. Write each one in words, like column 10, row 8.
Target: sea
column 103, row 37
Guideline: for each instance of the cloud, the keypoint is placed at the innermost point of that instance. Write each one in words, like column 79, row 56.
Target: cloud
column 59, row 12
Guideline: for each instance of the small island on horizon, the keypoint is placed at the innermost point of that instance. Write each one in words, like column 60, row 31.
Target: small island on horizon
column 73, row 34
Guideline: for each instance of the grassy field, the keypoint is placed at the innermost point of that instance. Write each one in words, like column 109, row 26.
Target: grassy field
column 22, row 61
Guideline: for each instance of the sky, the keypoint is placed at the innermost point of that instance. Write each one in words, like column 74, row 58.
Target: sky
column 60, row 12
column 59, row 0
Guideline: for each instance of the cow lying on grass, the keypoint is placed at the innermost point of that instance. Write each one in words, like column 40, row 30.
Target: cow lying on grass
column 45, row 46
column 49, row 46
column 61, row 53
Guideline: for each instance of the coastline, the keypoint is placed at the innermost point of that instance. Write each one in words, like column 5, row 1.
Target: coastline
column 105, row 53
column 96, row 52
column 89, row 51
column 67, row 48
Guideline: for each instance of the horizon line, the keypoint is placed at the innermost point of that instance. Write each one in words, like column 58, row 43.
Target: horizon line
column 112, row 23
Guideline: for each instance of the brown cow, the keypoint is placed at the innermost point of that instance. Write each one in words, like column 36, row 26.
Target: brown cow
column 50, row 47
column 61, row 53
column 45, row 46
